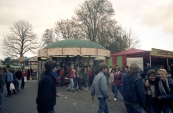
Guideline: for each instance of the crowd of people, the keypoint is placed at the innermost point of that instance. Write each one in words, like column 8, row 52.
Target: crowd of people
column 77, row 78
column 149, row 89
column 16, row 78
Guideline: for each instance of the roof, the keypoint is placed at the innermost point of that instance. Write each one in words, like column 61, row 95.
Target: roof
column 73, row 44
column 31, row 59
column 130, row 51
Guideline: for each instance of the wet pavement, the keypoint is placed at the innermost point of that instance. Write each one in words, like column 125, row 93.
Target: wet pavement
column 69, row 102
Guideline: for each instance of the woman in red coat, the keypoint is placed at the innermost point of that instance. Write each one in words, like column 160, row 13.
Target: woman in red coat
column 117, row 83
column 24, row 74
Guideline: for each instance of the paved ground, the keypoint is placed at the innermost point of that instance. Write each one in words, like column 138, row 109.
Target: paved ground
column 77, row 102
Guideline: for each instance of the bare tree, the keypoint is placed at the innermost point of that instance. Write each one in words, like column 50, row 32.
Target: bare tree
column 92, row 14
column 132, row 40
column 48, row 37
column 20, row 41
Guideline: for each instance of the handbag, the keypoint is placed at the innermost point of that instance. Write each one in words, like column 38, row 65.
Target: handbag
column 12, row 86
column 25, row 79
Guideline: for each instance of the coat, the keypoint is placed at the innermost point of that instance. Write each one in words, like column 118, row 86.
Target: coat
column 1, row 80
column 46, row 95
column 133, row 90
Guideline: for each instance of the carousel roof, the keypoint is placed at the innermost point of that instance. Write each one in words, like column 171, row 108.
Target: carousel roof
column 74, row 43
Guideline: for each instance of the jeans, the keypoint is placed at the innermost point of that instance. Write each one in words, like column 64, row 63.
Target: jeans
column 71, row 85
column 8, row 88
column 19, row 84
column 53, row 111
column 90, row 80
column 0, row 96
column 86, row 84
column 166, row 107
column 112, row 88
column 79, row 83
column 116, row 88
column 133, row 108
column 103, row 107
column 62, row 80
column 22, row 83
column 154, row 108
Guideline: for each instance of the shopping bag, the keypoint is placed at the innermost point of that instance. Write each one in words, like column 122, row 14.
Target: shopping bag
column 25, row 79
column 12, row 86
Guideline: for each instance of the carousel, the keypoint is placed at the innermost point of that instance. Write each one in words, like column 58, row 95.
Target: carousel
column 74, row 53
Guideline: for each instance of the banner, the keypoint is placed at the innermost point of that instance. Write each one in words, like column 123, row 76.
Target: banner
column 162, row 53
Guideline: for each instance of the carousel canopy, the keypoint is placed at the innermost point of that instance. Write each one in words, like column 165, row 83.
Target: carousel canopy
column 73, row 48
column 74, row 43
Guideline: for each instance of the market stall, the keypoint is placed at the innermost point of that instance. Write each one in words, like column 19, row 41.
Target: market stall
column 156, row 57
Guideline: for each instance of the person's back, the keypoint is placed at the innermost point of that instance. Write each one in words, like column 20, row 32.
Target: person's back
column 44, row 96
column 132, row 85
column 133, row 91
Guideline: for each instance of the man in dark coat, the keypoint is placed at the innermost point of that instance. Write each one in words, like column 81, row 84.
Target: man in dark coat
column 19, row 77
column 46, row 96
column 147, row 68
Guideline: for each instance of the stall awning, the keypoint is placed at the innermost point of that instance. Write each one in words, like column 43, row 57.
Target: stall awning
column 129, row 51
column 100, row 58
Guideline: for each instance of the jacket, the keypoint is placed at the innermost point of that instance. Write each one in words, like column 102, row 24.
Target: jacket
column 85, row 76
column 9, row 77
column 99, row 87
column 18, row 75
column 80, row 74
column 46, row 95
column 133, row 90
column 118, row 79
column 1, row 80
column 167, row 96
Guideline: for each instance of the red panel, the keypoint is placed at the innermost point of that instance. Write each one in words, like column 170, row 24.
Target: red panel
column 114, row 60
column 124, row 60
column 107, row 61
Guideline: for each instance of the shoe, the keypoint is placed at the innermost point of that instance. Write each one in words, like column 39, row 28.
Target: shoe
column 68, row 90
column 115, row 99
column 7, row 96
column 86, row 89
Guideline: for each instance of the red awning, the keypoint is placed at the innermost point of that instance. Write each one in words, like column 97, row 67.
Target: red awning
column 129, row 51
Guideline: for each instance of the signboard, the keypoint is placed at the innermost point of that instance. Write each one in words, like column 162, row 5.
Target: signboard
column 22, row 59
column 71, row 51
column 162, row 53
column 88, row 51
column 137, row 60
column 26, row 63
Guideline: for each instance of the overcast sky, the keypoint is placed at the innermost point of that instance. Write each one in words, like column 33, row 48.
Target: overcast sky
column 151, row 20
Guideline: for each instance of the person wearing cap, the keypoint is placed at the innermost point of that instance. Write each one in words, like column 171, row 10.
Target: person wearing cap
column 46, row 95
